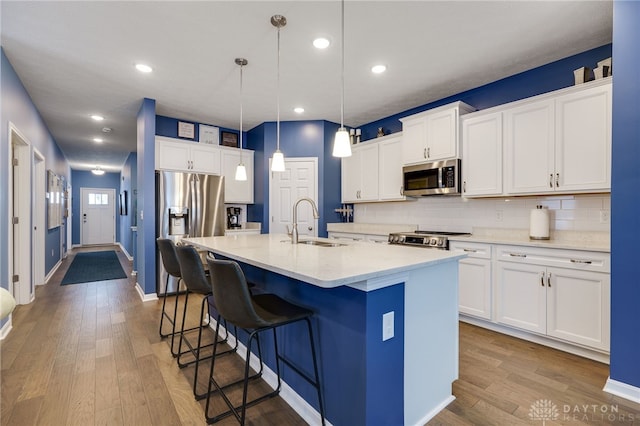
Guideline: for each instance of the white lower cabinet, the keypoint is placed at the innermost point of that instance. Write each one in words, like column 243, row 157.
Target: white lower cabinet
column 474, row 279
column 571, row 303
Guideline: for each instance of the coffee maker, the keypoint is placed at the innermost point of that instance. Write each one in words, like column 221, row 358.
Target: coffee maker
column 233, row 217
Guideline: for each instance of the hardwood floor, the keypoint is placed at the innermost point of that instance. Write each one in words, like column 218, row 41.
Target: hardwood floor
column 90, row 354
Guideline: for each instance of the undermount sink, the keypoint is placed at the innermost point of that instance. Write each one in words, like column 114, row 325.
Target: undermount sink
column 316, row 243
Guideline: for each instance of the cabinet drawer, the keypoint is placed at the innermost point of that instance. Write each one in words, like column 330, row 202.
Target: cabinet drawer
column 571, row 259
column 476, row 250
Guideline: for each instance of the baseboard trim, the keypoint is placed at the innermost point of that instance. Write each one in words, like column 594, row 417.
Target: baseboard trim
column 145, row 297
column 622, row 390
column 6, row 328
column 52, row 271
column 545, row 341
column 431, row 414
column 126, row 253
column 295, row 401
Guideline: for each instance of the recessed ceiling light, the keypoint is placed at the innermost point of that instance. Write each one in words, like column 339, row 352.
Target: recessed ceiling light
column 321, row 43
column 97, row 117
column 144, row 68
column 106, row 129
column 298, row 110
column 98, row 140
column 378, row 69
column 97, row 171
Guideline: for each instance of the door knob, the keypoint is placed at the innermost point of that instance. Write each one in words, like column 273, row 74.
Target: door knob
column 310, row 228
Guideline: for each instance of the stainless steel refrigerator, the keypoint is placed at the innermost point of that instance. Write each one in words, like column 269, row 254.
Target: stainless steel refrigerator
column 187, row 205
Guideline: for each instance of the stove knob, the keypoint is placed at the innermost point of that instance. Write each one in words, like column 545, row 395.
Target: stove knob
column 433, row 241
column 441, row 242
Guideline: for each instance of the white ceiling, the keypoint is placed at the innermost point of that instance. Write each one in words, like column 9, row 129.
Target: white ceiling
column 77, row 58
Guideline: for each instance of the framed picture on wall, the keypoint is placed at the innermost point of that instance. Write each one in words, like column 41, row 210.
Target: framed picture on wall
column 186, row 130
column 229, row 139
column 209, row 134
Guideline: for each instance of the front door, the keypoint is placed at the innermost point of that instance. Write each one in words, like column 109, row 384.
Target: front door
column 300, row 179
column 98, row 216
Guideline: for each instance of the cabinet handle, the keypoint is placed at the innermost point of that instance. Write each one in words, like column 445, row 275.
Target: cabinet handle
column 549, row 279
column 428, row 152
column 470, row 250
column 557, row 180
column 424, row 153
column 401, row 190
column 542, row 279
column 464, row 186
column 551, row 180
column 517, row 255
column 584, row 262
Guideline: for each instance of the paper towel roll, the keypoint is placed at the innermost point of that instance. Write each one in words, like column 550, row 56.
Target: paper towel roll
column 539, row 223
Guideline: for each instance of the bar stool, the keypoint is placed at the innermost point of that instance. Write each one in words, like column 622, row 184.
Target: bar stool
column 255, row 314
column 170, row 262
column 196, row 281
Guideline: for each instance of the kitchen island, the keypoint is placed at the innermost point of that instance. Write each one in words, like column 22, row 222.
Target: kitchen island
column 373, row 373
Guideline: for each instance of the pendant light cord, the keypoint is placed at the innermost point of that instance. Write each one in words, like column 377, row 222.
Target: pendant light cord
column 241, row 111
column 342, row 72
column 278, row 97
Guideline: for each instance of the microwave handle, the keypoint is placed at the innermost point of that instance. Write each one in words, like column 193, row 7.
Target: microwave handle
column 440, row 180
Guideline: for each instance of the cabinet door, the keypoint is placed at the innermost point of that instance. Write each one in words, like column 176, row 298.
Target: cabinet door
column 474, row 287
column 583, row 140
column 390, row 161
column 240, row 192
column 205, row 158
column 414, row 141
column 521, row 296
column 369, row 172
column 442, row 135
column 482, row 155
column 529, row 140
column 578, row 306
column 173, row 155
column 351, row 171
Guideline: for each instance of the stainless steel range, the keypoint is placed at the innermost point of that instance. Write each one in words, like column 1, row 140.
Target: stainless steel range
column 426, row 239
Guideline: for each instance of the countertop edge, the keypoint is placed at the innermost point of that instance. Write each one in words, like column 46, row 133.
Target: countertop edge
column 550, row 244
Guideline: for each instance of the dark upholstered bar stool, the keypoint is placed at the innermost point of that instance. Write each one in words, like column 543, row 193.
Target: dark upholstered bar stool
column 255, row 314
column 170, row 262
column 196, row 281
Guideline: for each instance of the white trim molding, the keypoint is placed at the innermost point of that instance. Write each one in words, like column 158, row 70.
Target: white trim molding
column 145, row 297
column 52, row 271
column 125, row 252
column 622, row 390
column 6, row 328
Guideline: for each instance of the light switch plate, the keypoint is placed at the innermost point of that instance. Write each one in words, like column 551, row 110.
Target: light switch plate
column 387, row 326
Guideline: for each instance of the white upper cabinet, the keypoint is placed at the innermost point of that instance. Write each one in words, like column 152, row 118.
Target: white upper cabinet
column 432, row 135
column 390, row 164
column 529, row 141
column 482, row 154
column 174, row 154
column 239, row 192
column 374, row 171
column 559, row 142
column 360, row 174
column 583, row 140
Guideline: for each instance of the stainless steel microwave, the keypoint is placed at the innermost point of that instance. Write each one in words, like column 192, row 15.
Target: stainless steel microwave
column 435, row 178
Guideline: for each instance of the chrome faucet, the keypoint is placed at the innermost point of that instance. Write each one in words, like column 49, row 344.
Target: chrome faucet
column 294, row 230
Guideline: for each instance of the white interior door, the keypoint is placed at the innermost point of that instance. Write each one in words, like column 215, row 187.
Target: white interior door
column 300, row 179
column 38, row 182
column 20, row 210
column 97, row 216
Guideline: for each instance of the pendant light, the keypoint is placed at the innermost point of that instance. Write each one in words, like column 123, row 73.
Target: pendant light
column 241, row 170
column 277, row 163
column 342, row 144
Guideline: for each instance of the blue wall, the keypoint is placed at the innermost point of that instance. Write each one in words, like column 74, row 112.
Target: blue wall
column 146, row 220
column 625, row 228
column 128, row 183
column 546, row 78
column 17, row 107
column 86, row 179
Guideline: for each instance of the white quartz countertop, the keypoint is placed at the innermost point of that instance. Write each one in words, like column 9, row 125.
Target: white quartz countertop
column 571, row 240
column 326, row 267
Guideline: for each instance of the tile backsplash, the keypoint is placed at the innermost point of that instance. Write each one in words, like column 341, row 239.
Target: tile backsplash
column 566, row 212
